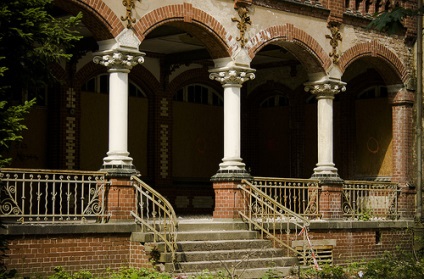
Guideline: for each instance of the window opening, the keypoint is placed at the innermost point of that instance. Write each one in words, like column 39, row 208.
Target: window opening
column 100, row 84
column 199, row 94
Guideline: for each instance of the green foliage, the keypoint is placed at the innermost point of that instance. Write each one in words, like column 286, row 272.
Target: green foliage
column 31, row 38
column 391, row 21
column 392, row 266
column 11, row 126
column 325, row 272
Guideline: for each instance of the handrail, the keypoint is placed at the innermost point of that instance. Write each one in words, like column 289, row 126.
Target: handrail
column 156, row 215
column 268, row 216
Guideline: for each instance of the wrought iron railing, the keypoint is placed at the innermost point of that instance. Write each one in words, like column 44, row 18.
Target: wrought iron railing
column 299, row 195
column 156, row 215
column 35, row 196
column 272, row 219
column 366, row 200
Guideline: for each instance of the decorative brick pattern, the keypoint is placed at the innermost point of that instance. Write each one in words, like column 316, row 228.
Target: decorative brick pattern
column 70, row 142
column 164, row 145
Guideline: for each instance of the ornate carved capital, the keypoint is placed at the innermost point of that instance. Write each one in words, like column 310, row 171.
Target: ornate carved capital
column 232, row 76
column 326, row 90
column 118, row 60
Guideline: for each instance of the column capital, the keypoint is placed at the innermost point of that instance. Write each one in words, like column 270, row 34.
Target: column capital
column 232, row 76
column 117, row 60
column 325, row 89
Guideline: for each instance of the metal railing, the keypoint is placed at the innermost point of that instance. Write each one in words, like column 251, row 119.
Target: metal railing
column 36, row 196
column 156, row 215
column 299, row 195
column 272, row 219
column 365, row 200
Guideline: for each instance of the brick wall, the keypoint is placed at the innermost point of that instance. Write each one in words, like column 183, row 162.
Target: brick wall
column 359, row 244
column 33, row 255
column 228, row 200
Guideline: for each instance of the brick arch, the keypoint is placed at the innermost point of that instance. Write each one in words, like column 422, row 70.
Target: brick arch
column 392, row 69
column 193, row 76
column 88, row 71
column 97, row 17
column 296, row 41
column 144, row 78
column 192, row 20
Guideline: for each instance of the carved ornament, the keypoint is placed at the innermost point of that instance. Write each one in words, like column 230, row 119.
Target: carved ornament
column 129, row 6
column 334, row 40
column 242, row 24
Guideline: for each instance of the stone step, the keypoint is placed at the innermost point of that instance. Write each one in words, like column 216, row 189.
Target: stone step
column 247, row 273
column 211, row 225
column 223, row 244
column 221, row 255
column 231, row 265
column 215, row 235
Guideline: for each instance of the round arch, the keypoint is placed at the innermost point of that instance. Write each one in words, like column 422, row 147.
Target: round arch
column 297, row 42
column 192, row 20
column 97, row 17
column 392, row 70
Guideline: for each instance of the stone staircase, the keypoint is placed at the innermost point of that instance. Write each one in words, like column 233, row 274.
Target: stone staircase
column 221, row 246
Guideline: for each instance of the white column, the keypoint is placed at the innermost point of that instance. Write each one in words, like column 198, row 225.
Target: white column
column 118, row 118
column 119, row 64
column 325, row 91
column 232, row 79
column 232, row 159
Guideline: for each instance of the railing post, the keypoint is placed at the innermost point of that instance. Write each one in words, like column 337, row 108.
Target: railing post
column 120, row 199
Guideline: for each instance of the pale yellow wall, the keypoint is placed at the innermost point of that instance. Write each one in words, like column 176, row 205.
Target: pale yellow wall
column 373, row 138
column 94, row 131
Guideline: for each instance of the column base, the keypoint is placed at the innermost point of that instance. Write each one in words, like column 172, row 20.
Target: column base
column 231, row 175
column 327, row 175
column 120, row 170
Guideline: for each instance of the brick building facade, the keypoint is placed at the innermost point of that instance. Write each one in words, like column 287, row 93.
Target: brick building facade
column 225, row 90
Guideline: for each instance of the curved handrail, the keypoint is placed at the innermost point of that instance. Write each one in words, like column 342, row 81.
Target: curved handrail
column 268, row 216
column 156, row 215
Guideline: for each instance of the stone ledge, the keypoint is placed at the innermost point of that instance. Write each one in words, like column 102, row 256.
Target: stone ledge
column 347, row 224
column 43, row 229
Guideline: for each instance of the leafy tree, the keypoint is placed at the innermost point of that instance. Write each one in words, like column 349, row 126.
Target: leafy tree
column 391, row 21
column 32, row 37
